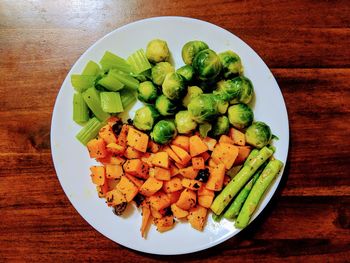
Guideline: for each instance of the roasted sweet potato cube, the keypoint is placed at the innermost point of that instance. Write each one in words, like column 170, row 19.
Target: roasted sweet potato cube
column 107, row 134
column 216, row 177
column 136, row 139
column 160, row 159
column 159, row 200
column 165, row 223
column 182, row 141
column 197, row 217
column 198, row 162
column 197, row 146
column 150, row 186
column 178, row 212
column 187, row 199
column 115, row 148
column 97, row 148
column 191, row 184
column 115, row 197
column 131, row 153
column 173, row 185
column 237, row 136
column 225, row 153
column 114, row 170
column 98, row 174
column 189, row 172
column 162, row 173
column 127, row 188
column 205, row 200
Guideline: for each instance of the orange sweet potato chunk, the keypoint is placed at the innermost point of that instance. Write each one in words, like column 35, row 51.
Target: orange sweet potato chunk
column 197, row 146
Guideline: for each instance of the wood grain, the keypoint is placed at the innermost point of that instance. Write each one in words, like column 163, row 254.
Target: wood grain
column 305, row 43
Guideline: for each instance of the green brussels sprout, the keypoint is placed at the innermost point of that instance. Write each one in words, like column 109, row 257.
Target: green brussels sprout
column 221, row 104
column 145, row 117
column 228, row 90
column 165, row 106
column 221, row 126
column 231, row 63
column 174, row 86
column 203, row 108
column 186, row 71
column 157, row 50
column 204, row 129
column 192, row 91
column 258, row 134
column 147, row 92
column 160, row 70
column 246, row 90
column 240, row 115
column 163, row 131
column 206, row 64
column 184, row 122
column 190, row 49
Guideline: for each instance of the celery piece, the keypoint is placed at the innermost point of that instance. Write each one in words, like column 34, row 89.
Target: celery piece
column 111, row 102
column 139, row 61
column 91, row 68
column 89, row 131
column 82, row 82
column 112, row 61
column 80, row 109
column 110, row 82
column 127, row 97
column 126, row 79
column 92, row 99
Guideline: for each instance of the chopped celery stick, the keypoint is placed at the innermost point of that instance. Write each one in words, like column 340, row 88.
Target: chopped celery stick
column 92, row 99
column 139, row 61
column 82, row 82
column 89, row 131
column 80, row 109
column 91, row 68
column 110, row 82
column 112, row 61
column 128, row 97
column 126, row 79
column 111, row 102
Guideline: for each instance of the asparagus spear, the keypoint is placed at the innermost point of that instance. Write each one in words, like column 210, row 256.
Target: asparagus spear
column 252, row 154
column 269, row 173
column 224, row 198
column 237, row 203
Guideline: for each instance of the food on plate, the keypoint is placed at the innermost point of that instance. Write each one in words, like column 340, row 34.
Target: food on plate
column 192, row 148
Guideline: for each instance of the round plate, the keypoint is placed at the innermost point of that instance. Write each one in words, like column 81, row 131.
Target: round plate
column 72, row 161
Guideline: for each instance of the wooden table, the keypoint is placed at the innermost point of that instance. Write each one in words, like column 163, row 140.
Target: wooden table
column 305, row 43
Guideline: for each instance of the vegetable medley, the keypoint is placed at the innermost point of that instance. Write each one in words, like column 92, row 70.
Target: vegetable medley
column 193, row 147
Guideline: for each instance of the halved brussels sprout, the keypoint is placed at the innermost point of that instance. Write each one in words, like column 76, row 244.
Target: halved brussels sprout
column 204, row 129
column 240, row 115
column 186, row 71
column 190, row 49
column 160, row 70
column 258, row 134
column 174, row 86
column 157, row 50
column 246, row 89
column 184, row 122
column 221, row 104
column 206, row 64
column 231, row 63
column 145, row 117
column 221, row 126
column 165, row 106
column 163, row 131
column 192, row 91
column 147, row 92
column 203, row 108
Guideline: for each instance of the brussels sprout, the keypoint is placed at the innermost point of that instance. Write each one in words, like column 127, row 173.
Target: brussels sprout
column 157, row 50
column 184, row 122
column 147, row 92
column 163, row 131
column 204, row 129
column 231, row 63
column 221, row 104
column 192, row 91
column 174, row 86
column 240, row 115
column 186, row 71
column 203, row 108
column 160, row 70
column 228, row 90
column 258, row 134
column 145, row 117
column 221, row 126
column 206, row 64
column 190, row 49
column 246, row 90
column 165, row 106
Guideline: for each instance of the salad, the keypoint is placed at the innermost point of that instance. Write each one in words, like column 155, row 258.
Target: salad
column 193, row 147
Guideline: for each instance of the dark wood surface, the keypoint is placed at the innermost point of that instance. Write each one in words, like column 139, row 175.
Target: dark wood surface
column 305, row 43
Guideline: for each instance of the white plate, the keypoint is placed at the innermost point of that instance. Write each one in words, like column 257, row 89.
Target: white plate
column 72, row 162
